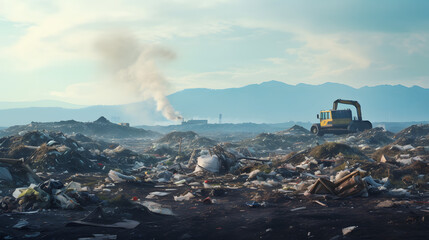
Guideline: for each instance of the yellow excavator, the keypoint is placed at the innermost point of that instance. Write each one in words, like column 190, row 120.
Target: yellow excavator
column 340, row 121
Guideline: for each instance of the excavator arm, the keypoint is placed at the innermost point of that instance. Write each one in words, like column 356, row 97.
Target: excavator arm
column 349, row 102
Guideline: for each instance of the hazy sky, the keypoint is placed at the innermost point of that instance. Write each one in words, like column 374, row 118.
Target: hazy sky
column 47, row 47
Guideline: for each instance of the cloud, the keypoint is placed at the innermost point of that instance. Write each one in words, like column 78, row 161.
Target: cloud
column 332, row 55
column 325, row 41
column 64, row 31
column 416, row 43
column 95, row 93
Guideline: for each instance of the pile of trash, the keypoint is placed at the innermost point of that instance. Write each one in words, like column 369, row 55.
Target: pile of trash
column 416, row 135
column 333, row 149
column 121, row 154
column 54, row 152
column 185, row 140
column 333, row 154
column 92, row 144
column 161, row 150
column 48, row 194
column 48, row 151
column 15, row 173
column 400, row 155
column 411, row 145
column 217, row 160
column 60, row 158
column 407, row 165
column 266, row 143
column 331, row 168
column 374, row 137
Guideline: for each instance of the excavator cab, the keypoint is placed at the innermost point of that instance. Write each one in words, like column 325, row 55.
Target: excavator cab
column 330, row 118
column 340, row 121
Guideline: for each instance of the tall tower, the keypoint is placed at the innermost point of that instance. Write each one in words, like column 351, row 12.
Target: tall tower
column 220, row 118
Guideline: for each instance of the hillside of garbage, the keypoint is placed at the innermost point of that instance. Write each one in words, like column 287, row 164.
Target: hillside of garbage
column 187, row 186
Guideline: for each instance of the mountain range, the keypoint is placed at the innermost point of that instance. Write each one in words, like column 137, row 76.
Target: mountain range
column 268, row 102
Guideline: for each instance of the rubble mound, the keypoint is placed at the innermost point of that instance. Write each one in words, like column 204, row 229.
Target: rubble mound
column 15, row 174
column 35, row 138
column 386, row 151
column 295, row 130
column 80, row 138
column 203, row 142
column 375, row 136
column 101, row 128
column 274, row 142
column 55, row 151
column 51, row 158
column 413, row 174
column 91, row 144
column 333, row 149
column 176, row 137
column 187, row 139
column 416, row 135
column 44, row 150
column 121, row 154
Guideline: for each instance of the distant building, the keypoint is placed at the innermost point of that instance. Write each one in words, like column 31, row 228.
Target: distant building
column 124, row 124
column 195, row 122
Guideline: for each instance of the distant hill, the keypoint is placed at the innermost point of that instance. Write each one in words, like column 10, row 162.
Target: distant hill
column 268, row 102
column 41, row 103
column 101, row 128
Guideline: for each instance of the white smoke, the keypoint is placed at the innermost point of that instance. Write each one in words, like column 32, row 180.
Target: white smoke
column 135, row 67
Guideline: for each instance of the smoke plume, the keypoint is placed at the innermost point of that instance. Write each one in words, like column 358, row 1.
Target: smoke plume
column 135, row 67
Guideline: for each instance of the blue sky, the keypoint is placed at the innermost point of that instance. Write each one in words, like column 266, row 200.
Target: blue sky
column 47, row 47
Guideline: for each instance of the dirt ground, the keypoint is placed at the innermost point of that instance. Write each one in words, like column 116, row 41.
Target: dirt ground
column 231, row 218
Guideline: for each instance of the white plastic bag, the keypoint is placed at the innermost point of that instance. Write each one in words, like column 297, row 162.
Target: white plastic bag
column 209, row 163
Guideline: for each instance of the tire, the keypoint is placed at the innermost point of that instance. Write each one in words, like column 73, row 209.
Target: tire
column 315, row 129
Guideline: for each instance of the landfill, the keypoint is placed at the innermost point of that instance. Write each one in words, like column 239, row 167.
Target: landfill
column 283, row 185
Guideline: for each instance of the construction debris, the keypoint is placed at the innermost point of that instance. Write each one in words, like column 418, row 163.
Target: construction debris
column 349, row 185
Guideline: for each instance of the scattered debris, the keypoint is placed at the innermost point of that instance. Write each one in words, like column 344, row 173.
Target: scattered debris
column 118, row 177
column 184, row 172
column 297, row 209
column 348, row 230
column 185, row 197
column 320, row 203
column 97, row 218
column 21, row 224
column 157, row 208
